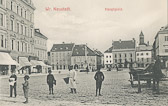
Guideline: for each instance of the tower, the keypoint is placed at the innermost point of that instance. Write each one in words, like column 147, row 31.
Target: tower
column 141, row 38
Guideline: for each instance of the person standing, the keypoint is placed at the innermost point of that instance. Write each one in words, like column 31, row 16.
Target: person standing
column 12, row 83
column 99, row 77
column 50, row 81
column 26, row 87
column 157, row 74
column 72, row 78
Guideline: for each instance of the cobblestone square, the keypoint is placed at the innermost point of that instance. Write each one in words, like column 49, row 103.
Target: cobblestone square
column 116, row 90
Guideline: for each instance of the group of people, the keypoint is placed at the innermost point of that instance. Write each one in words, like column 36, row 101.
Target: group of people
column 99, row 77
column 12, row 83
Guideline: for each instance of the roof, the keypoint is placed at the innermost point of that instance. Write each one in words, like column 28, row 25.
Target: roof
column 39, row 34
column 99, row 53
column 130, row 44
column 144, row 48
column 62, row 47
column 81, row 50
column 109, row 50
column 163, row 30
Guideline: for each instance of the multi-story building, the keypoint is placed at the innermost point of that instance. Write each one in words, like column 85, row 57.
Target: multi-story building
column 161, row 45
column 60, row 56
column 144, row 52
column 108, row 58
column 124, row 53
column 100, row 58
column 20, row 28
column 83, row 57
column 3, row 26
column 40, row 45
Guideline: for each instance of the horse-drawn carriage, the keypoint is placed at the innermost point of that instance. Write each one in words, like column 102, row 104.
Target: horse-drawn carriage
column 147, row 74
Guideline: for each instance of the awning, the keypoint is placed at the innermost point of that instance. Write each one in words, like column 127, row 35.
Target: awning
column 6, row 59
column 42, row 63
column 23, row 61
column 34, row 62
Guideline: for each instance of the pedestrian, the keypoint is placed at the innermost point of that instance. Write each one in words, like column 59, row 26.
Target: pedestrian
column 157, row 74
column 72, row 78
column 99, row 77
column 12, row 83
column 50, row 81
column 87, row 69
column 26, row 87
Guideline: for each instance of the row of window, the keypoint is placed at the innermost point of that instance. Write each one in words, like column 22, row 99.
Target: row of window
column 40, row 42
column 142, row 59
column 21, row 46
column 59, row 54
column 125, row 55
column 21, row 11
column 41, row 54
column 21, row 29
column 138, row 54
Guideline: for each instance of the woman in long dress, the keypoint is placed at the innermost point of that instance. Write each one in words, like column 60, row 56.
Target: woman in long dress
column 72, row 78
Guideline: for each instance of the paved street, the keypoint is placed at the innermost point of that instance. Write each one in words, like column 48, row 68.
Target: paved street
column 116, row 90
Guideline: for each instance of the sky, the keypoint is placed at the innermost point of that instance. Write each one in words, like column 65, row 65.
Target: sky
column 89, row 23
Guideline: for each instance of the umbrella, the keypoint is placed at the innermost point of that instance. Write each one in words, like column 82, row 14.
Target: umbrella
column 66, row 80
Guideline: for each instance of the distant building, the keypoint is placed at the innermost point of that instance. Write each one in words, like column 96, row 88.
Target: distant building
column 40, row 45
column 60, row 56
column 84, row 57
column 100, row 58
column 161, row 45
column 144, row 52
column 108, row 58
column 124, row 53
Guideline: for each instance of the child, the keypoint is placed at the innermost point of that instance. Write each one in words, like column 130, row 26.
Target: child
column 50, row 81
column 99, row 77
column 26, row 87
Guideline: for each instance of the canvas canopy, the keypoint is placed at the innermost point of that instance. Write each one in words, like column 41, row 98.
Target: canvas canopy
column 6, row 59
column 23, row 61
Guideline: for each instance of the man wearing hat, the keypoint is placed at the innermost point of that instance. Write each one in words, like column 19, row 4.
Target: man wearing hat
column 99, row 77
column 50, row 81
column 12, row 83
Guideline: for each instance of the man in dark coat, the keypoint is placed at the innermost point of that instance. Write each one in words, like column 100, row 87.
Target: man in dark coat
column 99, row 77
column 50, row 81
column 12, row 82
column 157, row 74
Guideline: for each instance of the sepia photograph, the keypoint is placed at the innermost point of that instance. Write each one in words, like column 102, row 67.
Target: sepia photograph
column 84, row 52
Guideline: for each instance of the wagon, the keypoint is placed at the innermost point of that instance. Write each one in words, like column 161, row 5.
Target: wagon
column 147, row 72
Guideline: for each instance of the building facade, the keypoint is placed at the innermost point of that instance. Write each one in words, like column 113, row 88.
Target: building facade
column 40, row 46
column 84, row 57
column 3, row 26
column 60, row 56
column 108, row 58
column 20, row 28
column 161, row 45
column 144, row 52
column 124, row 53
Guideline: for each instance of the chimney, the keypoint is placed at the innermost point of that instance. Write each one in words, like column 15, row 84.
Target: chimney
column 148, row 43
column 120, row 40
column 133, row 39
column 63, row 42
